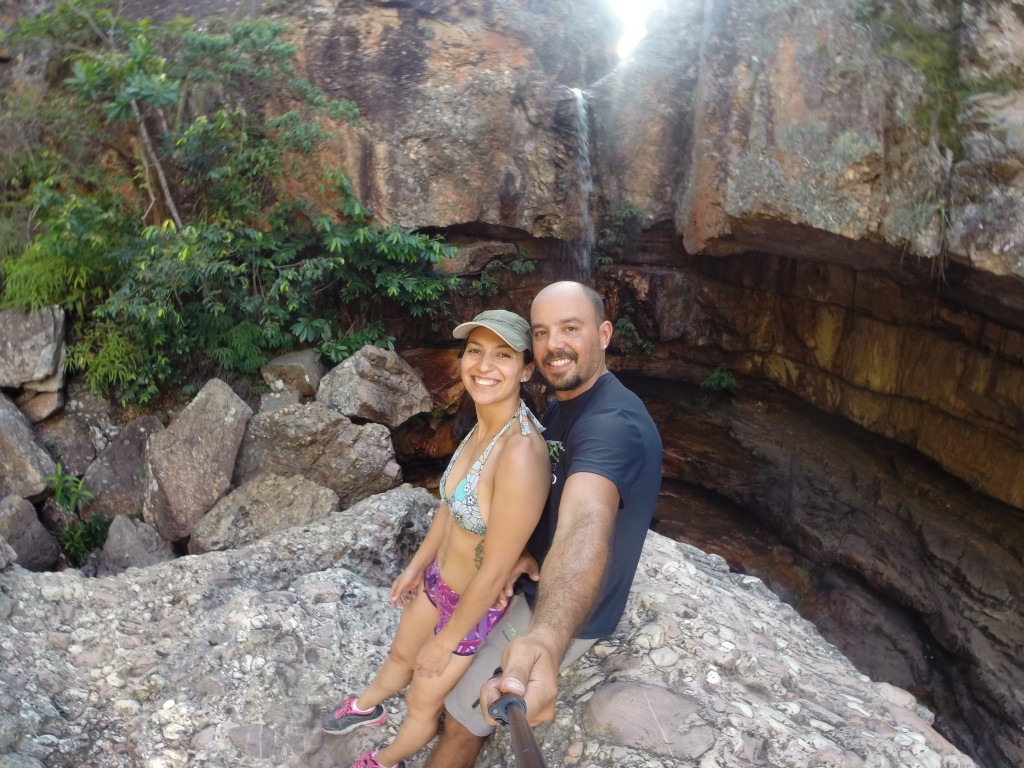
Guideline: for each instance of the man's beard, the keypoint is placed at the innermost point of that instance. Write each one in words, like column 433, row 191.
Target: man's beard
column 572, row 380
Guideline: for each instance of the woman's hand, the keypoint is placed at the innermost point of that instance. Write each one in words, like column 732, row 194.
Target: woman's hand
column 405, row 588
column 433, row 657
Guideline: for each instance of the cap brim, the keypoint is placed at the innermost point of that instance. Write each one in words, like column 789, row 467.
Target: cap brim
column 463, row 330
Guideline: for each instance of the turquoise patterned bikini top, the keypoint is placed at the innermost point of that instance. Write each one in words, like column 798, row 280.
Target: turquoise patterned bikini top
column 463, row 504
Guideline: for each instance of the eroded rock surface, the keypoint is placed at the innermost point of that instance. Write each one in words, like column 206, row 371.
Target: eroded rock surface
column 232, row 658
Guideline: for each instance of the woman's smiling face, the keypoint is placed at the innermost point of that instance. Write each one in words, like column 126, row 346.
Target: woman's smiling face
column 491, row 370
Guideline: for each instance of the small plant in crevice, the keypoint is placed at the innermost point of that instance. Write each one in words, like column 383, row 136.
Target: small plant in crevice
column 68, row 490
column 488, row 282
column 80, row 537
column 620, row 234
column 720, row 381
column 629, row 339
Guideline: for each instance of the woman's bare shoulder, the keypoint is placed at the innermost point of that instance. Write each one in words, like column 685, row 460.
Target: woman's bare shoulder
column 524, row 450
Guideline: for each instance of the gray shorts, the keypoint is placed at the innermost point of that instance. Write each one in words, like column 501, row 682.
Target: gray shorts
column 459, row 702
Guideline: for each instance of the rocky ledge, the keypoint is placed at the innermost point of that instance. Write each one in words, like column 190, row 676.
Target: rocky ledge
column 231, row 658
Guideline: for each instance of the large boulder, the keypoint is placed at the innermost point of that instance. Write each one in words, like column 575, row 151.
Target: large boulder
column 376, row 385
column 189, row 465
column 261, row 506
column 23, row 461
column 320, row 444
column 35, row 546
column 131, row 543
column 117, row 478
column 32, row 349
column 82, row 429
column 298, row 372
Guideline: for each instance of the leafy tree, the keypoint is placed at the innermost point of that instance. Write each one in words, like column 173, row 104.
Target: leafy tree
column 175, row 205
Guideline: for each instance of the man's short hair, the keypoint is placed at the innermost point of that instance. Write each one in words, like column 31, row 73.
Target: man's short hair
column 596, row 300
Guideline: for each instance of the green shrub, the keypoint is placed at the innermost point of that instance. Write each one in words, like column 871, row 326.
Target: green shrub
column 620, row 234
column 719, row 380
column 488, row 282
column 629, row 338
column 80, row 537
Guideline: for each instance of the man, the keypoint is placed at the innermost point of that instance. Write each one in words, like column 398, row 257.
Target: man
column 606, row 473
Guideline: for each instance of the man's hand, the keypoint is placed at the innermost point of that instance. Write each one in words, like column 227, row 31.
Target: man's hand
column 531, row 671
column 525, row 564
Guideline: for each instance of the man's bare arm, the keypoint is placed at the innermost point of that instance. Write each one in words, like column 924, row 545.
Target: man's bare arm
column 570, row 581
column 574, row 567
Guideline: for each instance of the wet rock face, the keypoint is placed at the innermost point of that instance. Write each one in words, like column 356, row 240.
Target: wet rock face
column 919, row 363
column 443, row 84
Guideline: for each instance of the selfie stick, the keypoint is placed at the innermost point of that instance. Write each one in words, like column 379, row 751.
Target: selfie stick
column 510, row 710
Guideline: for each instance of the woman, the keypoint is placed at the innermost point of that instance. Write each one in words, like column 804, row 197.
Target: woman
column 492, row 494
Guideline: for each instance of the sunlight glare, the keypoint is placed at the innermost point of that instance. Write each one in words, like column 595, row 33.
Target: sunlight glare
column 634, row 15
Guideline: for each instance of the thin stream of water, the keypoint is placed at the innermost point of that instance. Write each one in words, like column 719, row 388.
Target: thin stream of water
column 583, row 245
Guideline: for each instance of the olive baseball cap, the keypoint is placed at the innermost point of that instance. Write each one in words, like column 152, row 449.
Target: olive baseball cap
column 512, row 329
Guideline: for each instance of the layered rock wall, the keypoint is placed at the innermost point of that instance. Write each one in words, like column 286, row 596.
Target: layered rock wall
column 889, row 351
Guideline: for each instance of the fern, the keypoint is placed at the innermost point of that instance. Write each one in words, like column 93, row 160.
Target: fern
column 68, row 490
column 107, row 356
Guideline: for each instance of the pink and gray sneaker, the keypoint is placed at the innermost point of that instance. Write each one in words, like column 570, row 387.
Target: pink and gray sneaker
column 349, row 718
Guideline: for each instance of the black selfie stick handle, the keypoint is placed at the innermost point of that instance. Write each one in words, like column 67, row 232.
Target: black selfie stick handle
column 510, row 710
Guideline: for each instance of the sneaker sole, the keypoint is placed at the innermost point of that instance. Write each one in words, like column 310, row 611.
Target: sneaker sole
column 352, row 727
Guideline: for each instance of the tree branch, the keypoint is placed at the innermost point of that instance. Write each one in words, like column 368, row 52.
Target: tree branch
column 147, row 147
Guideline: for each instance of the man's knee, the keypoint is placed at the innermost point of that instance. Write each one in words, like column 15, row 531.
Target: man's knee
column 457, row 747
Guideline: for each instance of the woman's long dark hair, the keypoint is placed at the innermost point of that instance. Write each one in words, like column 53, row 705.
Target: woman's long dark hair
column 532, row 391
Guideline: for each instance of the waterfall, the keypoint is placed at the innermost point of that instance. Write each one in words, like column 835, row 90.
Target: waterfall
column 583, row 246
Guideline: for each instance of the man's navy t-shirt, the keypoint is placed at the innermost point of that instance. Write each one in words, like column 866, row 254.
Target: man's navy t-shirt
column 606, row 431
